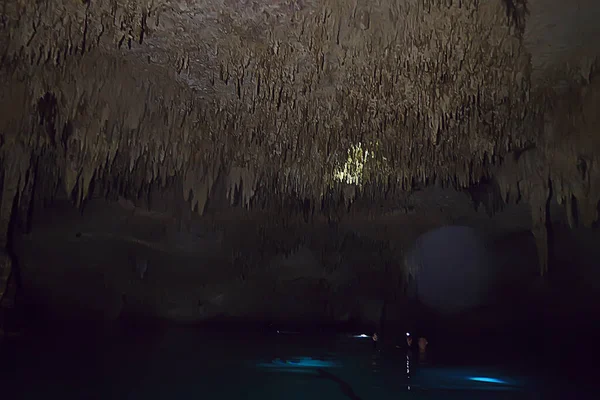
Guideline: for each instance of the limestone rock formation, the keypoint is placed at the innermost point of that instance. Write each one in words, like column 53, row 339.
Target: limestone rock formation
column 306, row 102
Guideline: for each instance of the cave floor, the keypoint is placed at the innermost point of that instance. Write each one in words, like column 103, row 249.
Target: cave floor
column 183, row 363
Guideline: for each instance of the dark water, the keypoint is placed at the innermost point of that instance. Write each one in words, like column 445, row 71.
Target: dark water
column 186, row 363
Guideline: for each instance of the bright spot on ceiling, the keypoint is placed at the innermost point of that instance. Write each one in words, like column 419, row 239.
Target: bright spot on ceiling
column 352, row 172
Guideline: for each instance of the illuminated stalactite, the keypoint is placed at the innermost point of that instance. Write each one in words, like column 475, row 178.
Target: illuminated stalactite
column 363, row 164
column 290, row 99
column 351, row 172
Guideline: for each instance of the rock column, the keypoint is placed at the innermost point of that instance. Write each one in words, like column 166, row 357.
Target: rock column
column 10, row 189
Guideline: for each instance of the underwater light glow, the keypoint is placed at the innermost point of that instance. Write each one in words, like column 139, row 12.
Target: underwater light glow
column 362, row 336
column 486, row 380
column 302, row 362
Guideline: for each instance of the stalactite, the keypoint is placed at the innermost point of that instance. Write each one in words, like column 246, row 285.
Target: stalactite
column 441, row 93
column 540, row 234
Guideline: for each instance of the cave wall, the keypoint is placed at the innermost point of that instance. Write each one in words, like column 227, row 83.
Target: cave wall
column 114, row 259
column 455, row 91
column 187, row 107
column 578, row 255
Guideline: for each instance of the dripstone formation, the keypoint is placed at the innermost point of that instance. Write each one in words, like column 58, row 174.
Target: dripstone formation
column 309, row 102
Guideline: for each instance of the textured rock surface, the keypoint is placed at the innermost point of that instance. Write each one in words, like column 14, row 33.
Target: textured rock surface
column 230, row 263
column 263, row 102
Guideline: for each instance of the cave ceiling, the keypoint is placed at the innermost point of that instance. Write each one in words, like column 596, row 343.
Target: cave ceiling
column 301, row 98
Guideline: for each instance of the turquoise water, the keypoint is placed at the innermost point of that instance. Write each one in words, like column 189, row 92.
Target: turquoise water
column 180, row 363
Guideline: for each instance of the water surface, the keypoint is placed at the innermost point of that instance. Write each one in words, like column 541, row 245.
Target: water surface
column 185, row 363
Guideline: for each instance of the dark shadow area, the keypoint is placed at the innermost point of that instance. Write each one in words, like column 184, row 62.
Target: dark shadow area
column 274, row 199
column 452, row 269
column 345, row 387
column 242, row 288
column 517, row 12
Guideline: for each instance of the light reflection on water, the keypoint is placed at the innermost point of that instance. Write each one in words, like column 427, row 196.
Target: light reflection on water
column 183, row 364
column 299, row 363
column 427, row 378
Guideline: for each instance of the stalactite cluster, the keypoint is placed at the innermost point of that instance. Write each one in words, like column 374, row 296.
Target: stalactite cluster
column 273, row 95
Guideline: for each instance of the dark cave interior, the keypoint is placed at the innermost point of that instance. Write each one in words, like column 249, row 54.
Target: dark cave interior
column 435, row 261
column 430, row 166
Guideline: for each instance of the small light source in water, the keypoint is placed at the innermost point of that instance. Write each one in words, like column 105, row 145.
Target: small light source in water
column 361, row 336
column 407, row 333
column 487, row 380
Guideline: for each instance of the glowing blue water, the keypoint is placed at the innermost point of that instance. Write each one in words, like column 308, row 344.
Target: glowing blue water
column 181, row 364
column 486, row 380
column 301, row 362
